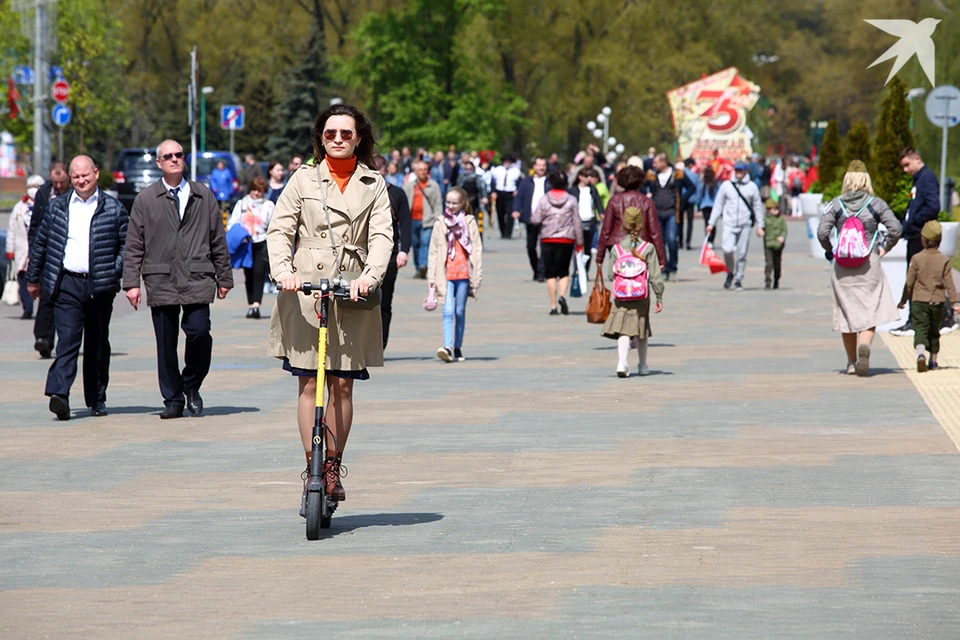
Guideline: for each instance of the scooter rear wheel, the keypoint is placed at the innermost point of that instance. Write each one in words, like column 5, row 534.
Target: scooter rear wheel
column 315, row 515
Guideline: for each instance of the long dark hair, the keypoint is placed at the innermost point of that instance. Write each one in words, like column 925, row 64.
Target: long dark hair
column 710, row 181
column 364, row 150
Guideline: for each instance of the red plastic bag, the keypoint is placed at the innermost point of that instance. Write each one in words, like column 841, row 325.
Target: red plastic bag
column 710, row 259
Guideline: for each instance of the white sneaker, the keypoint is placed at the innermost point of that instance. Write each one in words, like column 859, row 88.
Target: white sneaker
column 945, row 330
column 445, row 354
column 851, row 369
column 643, row 370
column 622, row 371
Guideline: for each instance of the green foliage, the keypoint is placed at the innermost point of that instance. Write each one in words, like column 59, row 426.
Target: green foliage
column 893, row 136
column 419, row 84
column 945, row 216
column 305, row 94
column 831, row 154
column 901, row 196
column 832, row 190
column 815, row 187
column 856, row 146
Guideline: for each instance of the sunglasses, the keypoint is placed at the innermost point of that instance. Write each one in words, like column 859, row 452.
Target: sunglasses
column 168, row 156
column 331, row 134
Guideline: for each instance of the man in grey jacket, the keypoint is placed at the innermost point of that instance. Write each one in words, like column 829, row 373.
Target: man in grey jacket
column 739, row 202
column 423, row 196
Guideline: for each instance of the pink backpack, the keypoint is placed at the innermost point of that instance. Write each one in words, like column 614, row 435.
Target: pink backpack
column 630, row 275
column 851, row 248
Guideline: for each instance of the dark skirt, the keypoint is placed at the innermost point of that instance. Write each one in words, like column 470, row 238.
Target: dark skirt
column 556, row 259
column 362, row 374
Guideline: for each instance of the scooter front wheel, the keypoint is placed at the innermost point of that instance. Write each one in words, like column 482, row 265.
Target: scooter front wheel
column 315, row 515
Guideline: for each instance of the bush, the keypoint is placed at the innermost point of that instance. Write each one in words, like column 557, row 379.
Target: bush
column 945, row 216
column 901, row 197
column 856, row 146
column 832, row 190
column 815, row 187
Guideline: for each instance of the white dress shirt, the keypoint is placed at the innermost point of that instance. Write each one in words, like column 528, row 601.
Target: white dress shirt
column 586, row 204
column 183, row 195
column 505, row 179
column 539, row 188
column 76, row 254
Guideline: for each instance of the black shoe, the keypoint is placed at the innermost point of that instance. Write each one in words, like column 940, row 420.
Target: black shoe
column 729, row 281
column 905, row 330
column 194, row 402
column 43, row 347
column 767, row 286
column 458, row 355
column 60, row 406
column 541, row 279
column 27, row 316
column 99, row 410
column 256, row 313
column 666, row 276
column 554, row 312
column 250, row 312
column 171, row 411
column 776, row 285
column 564, row 309
column 738, row 286
column 422, row 273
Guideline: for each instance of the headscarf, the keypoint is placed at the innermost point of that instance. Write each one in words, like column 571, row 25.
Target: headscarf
column 457, row 231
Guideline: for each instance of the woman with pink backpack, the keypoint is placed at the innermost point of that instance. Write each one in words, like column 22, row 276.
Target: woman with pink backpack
column 636, row 272
column 849, row 233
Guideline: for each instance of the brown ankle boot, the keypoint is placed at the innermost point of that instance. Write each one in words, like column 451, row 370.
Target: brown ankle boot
column 333, row 469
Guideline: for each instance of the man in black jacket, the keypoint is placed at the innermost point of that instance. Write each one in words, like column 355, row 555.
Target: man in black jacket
column 529, row 192
column 666, row 186
column 924, row 206
column 76, row 263
column 43, row 330
column 401, row 246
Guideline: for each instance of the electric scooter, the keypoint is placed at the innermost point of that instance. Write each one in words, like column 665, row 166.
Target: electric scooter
column 319, row 507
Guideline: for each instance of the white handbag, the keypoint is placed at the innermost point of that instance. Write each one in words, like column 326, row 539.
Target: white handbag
column 11, row 288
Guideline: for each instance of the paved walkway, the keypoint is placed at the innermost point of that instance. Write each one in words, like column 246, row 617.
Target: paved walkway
column 746, row 490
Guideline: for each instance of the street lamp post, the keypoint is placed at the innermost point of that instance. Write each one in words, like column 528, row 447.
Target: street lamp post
column 602, row 132
column 203, row 117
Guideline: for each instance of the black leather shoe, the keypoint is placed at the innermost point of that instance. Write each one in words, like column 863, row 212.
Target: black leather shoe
column 256, row 313
column 60, row 406
column 194, row 402
column 43, row 347
column 99, row 411
column 171, row 411
column 250, row 312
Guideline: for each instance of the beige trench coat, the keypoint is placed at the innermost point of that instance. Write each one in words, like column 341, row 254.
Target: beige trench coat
column 362, row 227
column 437, row 258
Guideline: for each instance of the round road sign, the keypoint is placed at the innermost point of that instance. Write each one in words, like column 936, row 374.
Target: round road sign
column 61, row 91
column 943, row 106
column 61, row 115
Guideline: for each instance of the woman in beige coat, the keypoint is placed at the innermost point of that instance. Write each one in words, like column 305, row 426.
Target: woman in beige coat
column 358, row 221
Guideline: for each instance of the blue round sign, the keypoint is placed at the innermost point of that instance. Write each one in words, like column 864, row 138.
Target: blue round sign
column 61, row 115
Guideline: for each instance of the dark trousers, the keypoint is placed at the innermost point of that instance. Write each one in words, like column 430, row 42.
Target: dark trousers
column 25, row 300
column 505, row 213
column 196, row 359
column 253, row 277
column 533, row 243
column 80, row 316
column 925, row 318
column 706, row 223
column 589, row 231
column 386, row 297
column 773, row 266
column 688, row 216
column 43, row 326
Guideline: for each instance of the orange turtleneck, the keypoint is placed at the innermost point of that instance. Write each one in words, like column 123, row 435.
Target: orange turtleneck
column 341, row 169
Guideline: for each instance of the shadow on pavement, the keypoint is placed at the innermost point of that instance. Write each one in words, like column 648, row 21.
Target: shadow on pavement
column 347, row 524
column 228, row 411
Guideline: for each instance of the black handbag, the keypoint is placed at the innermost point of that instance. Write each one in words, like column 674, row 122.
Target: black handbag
column 344, row 278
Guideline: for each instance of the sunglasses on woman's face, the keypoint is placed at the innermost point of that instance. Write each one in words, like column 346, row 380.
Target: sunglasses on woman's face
column 331, row 134
column 169, row 156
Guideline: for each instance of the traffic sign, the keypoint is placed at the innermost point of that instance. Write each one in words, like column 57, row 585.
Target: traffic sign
column 61, row 91
column 56, row 73
column 23, row 74
column 943, row 106
column 231, row 116
column 61, row 115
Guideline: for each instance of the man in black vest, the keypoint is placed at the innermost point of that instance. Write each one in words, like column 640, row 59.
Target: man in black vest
column 76, row 263
column 666, row 185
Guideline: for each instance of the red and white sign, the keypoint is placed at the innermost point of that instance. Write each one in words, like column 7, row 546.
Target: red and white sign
column 60, row 91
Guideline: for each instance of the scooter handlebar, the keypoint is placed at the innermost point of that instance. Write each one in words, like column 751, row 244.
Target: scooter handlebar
column 338, row 289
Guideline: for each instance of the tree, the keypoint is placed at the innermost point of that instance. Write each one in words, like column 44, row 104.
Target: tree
column 260, row 104
column 831, row 157
column 420, row 85
column 856, row 146
column 893, row 136
column 305, row 94
column 92, row 63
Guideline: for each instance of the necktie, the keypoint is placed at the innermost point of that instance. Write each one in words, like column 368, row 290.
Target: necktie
column 176, row 200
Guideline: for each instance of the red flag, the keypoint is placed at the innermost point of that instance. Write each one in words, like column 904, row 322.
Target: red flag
column 13, row 96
